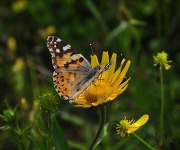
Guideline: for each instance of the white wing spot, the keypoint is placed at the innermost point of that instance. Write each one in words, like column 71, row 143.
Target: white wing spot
column 57, row 50
column 51, row 50
column 53, row 55
column 58, row 40
column 75, row 56
column 54, row 73
column 66, row 47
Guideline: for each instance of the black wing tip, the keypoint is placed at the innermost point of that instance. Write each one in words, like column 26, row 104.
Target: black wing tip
column 50, row 39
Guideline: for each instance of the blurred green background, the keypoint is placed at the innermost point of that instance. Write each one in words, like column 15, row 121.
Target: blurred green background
column 134, row 29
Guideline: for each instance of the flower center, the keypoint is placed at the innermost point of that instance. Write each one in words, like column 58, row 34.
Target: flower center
column 125, row 124
column 99, row 91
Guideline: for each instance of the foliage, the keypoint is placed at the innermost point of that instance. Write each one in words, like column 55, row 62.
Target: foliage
column 136, row 29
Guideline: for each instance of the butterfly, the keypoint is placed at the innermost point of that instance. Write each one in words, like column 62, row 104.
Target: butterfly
column 73, row 73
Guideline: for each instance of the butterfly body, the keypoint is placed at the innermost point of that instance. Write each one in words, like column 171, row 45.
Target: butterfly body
column 73, row 73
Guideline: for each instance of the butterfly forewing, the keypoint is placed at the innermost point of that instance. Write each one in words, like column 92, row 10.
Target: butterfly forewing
column 65, row 57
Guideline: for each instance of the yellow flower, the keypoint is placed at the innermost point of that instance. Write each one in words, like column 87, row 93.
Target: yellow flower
column 109, row 85
column 32, row 114
column 11, row 44
column 35, row 105
column 161, row 59
column 19, row 65
column 129, row 126
column 19, row 5
column 49, row 30
column 24, row 103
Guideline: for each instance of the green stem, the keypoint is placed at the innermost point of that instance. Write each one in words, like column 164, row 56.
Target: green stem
column 102, row 116
column 49, row 130
column 162, row 105
column 142, row 141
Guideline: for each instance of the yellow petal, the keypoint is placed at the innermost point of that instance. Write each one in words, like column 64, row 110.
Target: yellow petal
column 94, row 61
column 142, row 120
column 135, row 126
column 112, row 68
column 166, row 66
column 104, row 61
column 121, row 86
column 112, row 97
column 116, row 74
column 121, row 90
column 105, row 58
column 122, row 74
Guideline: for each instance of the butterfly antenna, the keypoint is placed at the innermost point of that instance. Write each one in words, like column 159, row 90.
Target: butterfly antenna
column 92, row 49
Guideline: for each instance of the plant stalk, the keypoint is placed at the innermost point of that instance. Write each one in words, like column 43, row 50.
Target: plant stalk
column 142, row 141
column 102, row 116
column 49, row 130
column 162, row 105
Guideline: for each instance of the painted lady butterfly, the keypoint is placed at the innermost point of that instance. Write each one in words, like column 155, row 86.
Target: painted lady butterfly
column 72, row 71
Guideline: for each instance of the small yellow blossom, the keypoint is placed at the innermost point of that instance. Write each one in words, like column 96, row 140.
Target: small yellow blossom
column 129, row 126
column 109, row 85
column 35, row 105
column 19, row 65
column 50, row 30
column 11, row 44
column 19, row 5
column 32, row 114
column 24, row 104
column 161, row 59
column 44, row 32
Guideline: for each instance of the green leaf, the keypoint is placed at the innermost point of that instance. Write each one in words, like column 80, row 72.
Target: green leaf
column 5, row 127
column 115, row 32
column 60, row 142
column 75, row 145
column 26, row 129
column 36, row 143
